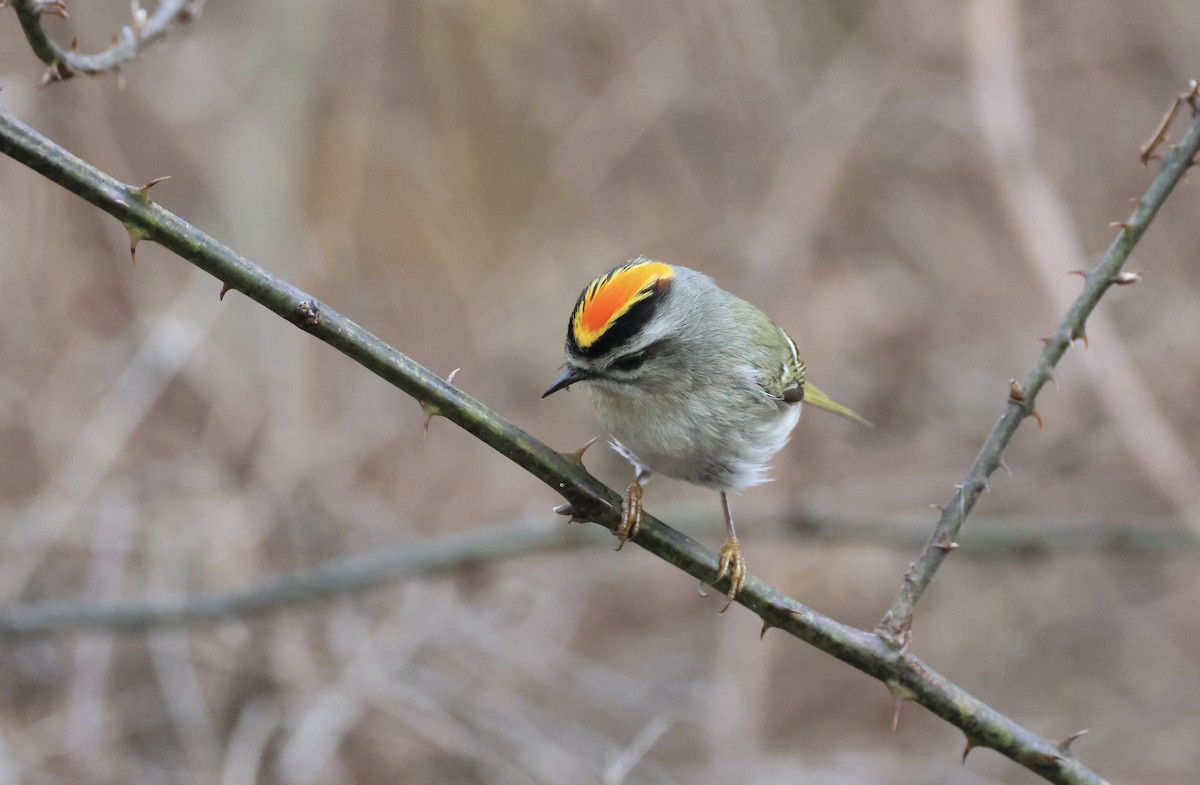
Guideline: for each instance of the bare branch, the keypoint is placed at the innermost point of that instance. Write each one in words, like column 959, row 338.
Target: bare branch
column 142, row 30
column 896, row 624
column 338, row 577
column 989, row 539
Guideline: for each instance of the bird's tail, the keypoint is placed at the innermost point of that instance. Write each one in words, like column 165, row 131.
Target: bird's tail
column 822, row 401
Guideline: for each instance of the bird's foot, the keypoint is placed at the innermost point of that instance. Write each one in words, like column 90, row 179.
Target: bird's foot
column 631, row 514
column 732, row 564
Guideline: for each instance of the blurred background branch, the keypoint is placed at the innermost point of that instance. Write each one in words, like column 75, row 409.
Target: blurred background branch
column 1025, row 539
column 143, row 30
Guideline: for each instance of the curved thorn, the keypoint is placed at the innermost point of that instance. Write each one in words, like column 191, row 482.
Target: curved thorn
column 970, row 745
column 1064, row 746
column 577, row 455
column 142, row 191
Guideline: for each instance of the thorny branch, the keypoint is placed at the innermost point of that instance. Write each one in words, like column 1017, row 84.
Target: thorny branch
column 879, row 656
column 335, row 578
column 999, row 538
column 142, row 30
column 896, row 625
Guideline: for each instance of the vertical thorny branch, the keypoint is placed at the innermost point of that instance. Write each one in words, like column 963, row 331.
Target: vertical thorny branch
column 896, row 624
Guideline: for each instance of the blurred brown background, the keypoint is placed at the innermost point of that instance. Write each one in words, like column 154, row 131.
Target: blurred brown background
column 903, row 185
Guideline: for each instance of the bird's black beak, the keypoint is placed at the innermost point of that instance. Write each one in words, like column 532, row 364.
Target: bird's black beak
column 568, row 377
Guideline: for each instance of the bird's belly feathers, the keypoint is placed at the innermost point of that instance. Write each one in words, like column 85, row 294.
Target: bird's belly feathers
column 721, row 449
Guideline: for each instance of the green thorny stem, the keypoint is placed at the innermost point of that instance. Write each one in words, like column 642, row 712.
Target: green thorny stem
column 896, row 624
column 904, row 675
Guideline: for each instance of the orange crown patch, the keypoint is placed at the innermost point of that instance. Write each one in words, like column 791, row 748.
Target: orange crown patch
column 610, row 297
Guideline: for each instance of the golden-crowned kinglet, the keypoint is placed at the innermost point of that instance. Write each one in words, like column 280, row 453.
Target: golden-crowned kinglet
column 690, row 381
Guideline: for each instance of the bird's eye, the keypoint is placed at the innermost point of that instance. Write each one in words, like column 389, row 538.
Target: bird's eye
column 630, row 362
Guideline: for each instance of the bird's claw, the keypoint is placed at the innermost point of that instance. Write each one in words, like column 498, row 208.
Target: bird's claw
column 732, row 564
column 631, row 514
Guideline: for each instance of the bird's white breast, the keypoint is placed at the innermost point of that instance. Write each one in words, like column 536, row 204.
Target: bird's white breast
column 725, row 448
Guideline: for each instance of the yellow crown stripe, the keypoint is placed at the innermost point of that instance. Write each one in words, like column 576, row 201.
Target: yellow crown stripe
column 610, row 297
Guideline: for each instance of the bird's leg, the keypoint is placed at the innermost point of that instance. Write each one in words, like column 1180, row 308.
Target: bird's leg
column 732, row 563
column 631, row 509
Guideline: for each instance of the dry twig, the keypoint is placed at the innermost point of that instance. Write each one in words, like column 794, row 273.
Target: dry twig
column 142, row 30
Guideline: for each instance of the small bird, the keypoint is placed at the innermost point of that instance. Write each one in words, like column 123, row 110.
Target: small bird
column 690, row 381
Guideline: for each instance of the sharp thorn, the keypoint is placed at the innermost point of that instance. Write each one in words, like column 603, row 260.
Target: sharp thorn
column 135, row 237
column 145, row 189
column 225, row 289
column 970, row 745
column 1004, row 465
column 1081, row 273
column 1037, row 418
column 1123, row 225
column 1053, row 379
column 762, row 633
column 1064, row 746
column 577, row 455
column 431, row 411
column 900, row 694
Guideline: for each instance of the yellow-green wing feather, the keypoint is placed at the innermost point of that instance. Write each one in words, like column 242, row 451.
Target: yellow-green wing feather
column 822, row 401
